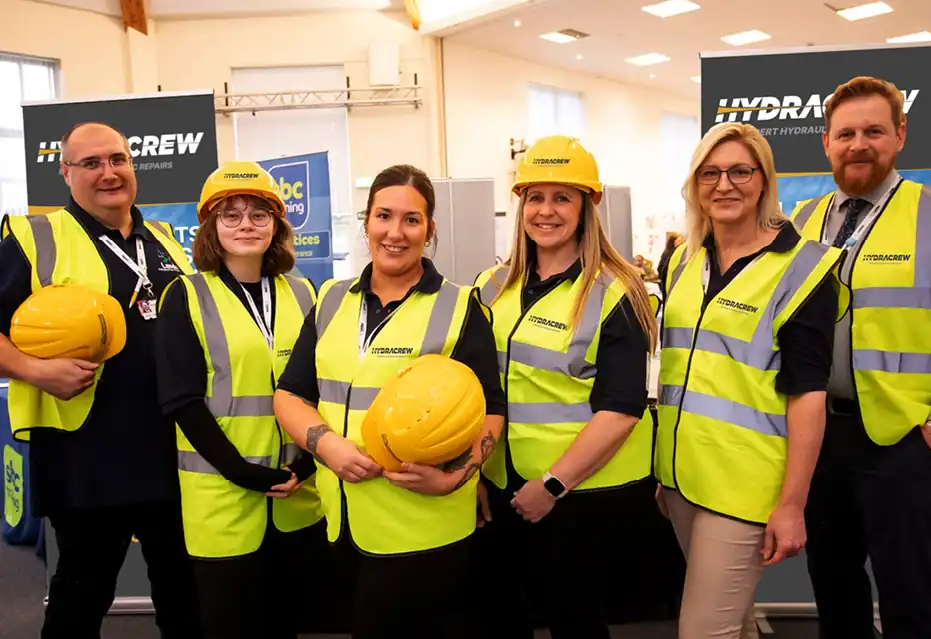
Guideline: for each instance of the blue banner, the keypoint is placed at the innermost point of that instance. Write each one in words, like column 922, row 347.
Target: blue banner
column 304, row 181
column 182, row 217
column 797, row 188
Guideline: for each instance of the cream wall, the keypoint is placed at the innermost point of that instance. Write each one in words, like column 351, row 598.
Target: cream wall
column 201, row 53
column 93, row 48
column 486, row 105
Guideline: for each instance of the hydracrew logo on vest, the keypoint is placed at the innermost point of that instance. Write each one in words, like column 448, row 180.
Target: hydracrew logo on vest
column 734, row 305
column 786, row 115
column 552, row 325
column 886, row 258
column 391, row 351
column 140, row 146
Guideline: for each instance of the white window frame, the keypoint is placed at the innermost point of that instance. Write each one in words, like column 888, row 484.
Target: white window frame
column 560, row 120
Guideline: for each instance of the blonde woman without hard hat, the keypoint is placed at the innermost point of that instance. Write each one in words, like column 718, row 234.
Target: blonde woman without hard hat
column 247, row 492
column 574, row 327
column 405, row 535
column 746, row 355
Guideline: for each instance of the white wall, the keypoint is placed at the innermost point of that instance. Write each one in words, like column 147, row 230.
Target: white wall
column 92, row 48
column 486, row 105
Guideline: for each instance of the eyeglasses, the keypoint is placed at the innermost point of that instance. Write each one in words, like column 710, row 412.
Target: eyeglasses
column 737, row 174
column 231, row 218
column 116, row 161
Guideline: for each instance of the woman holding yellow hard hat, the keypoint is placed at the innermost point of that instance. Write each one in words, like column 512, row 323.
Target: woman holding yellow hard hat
column 247, row 492
column 405, row 533
column 574, row 328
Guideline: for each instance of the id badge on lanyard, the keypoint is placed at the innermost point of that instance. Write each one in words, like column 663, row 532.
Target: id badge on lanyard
column 147, row 305
column 265, row 319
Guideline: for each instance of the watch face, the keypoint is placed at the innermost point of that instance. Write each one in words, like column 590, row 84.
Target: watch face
column 554, row 486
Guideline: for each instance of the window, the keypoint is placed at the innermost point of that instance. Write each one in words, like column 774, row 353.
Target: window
column 679, row 135
column 554, row 111
column 22, row 79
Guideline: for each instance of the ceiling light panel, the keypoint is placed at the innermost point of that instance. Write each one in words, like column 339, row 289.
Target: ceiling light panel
column 864, row 11
column 746, row 37
column 647, row 59
column 921, row 36
column 671, row 8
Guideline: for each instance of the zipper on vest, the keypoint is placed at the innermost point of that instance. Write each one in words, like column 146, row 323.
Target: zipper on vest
column 685, row 382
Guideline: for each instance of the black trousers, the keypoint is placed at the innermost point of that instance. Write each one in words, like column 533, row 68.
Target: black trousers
column 407, row 596
column 270, row 593
column 870, row 501
column 92, row 544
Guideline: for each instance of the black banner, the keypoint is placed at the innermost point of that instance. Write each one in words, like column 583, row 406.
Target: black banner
column 783, row 95
column 172, row 138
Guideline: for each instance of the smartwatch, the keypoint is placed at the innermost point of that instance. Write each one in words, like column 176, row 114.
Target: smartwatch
column 554, row 485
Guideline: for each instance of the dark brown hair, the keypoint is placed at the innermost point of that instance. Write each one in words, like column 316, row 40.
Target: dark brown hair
column 208, row 253
column 405, row 175
column 862, row 87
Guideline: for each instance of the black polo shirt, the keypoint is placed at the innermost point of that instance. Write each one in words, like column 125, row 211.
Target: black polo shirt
column 621, row 361
column 182, row 387
column 806, row 341
column 476, row 347
column 125, row 453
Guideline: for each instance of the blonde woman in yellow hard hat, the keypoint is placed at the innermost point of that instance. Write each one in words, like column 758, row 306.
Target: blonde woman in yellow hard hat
column 574, row 327
column 405, row 535
column 248, row 497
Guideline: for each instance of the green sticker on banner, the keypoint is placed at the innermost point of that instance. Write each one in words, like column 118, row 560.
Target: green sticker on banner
column 12, row 486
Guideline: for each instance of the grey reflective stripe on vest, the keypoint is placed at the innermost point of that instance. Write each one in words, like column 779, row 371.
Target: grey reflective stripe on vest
column 805, row 214
column 572, row 362
column 290, row 453
column 46, row 251
column 549, row 413
column 725, row 410
column 335, row 392
column 490, row 288
column 330, row 304
column 221, row 401
column 441, row 318
column 676, row 273
column 502, row 361
column 193, row 462
column 161, row 230
column 712, row 342
column 304, row 300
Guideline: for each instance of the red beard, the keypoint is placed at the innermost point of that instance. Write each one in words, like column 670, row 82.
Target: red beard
column 862, row 185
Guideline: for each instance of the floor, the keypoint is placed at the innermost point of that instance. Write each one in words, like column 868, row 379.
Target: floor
column 22, row 587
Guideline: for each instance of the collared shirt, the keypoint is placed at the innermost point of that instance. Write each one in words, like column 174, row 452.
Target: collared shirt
column 126, row 452
column 182, row 387
column 476, row 347
column 838, row 210
column 805, row 341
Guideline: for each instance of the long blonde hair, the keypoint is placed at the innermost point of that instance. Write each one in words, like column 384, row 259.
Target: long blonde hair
column 597, row 253
column 769, row 212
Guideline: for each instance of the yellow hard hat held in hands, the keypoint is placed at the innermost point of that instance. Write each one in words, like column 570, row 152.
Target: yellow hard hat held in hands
column 559, row 159
column 431, row 413
column 69, row 321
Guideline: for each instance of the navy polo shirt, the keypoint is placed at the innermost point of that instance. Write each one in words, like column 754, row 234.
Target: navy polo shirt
column 126, row 452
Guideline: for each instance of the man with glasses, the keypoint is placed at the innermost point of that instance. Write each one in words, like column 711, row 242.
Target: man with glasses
column 871, row 491
column 108, row 475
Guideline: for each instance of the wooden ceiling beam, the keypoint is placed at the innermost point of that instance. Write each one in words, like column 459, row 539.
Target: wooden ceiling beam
column 134, row 15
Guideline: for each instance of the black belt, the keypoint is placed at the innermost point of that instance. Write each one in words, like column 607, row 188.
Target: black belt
column 841, row 406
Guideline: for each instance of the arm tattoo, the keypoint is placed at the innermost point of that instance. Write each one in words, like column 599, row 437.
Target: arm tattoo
column 314, row 433
column 487, row 446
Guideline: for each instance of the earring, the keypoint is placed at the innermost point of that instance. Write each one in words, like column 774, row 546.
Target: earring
column 427, row 243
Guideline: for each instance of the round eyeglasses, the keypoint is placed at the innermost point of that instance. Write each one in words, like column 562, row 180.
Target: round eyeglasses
column 231, row 218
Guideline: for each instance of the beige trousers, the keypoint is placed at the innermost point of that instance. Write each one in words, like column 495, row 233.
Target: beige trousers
column 724, row 567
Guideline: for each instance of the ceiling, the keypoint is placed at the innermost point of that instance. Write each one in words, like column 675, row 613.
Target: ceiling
column 617, row 29
column 620, row 29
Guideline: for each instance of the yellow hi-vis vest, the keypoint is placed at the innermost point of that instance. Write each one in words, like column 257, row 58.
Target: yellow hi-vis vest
column 548, row 370
column 220, row 518
column 60, row 251
column 384, row 519
column 890, row 287
column 723, row 434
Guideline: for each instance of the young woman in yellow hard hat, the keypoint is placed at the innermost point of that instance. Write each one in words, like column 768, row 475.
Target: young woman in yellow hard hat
column 748, row 329
column 574, row 327
column 406, row 535
column 224, row 337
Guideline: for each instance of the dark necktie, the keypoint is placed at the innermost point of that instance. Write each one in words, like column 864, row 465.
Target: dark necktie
column 854, row 208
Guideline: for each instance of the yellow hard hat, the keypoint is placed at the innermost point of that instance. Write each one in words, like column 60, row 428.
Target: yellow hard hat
column 239, row 178
column 559, row 159
column 431, row 413
column 69, row 321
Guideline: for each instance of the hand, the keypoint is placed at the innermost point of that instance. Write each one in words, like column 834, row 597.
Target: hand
column 62, row 378
column 426, row 480
column 483, row 514
column 345, row 459
column 661, row 501
column 285, row 490
column 533, row 501
column 926, row 432
column 785, row 534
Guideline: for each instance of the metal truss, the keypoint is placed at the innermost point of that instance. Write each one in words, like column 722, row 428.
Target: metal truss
column 350, row 97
